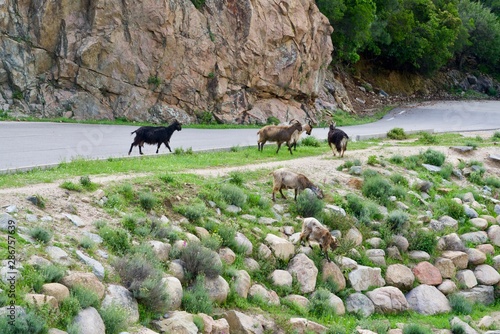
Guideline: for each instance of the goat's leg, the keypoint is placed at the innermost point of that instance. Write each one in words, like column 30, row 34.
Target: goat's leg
column 158, row 148
column 332, row 148
column 281, row 192
column 168, row 146
column 295, row 198
column 289, row 147
column 279, row 145
column 131, row 146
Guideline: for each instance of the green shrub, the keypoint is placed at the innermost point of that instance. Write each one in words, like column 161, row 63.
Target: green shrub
column 87, row 243
column 52, row 273
column 492, row 181
column 40, row 234
column 38, row 201
column 349, row 163
column 193, row 212
column 310, row 141
column 397, row 221
column 68, row 185
column 167, row 178
column 397, row 133
column 196, row 299
column 377, row 188
column 397, row 159
column 143, row 280
column 85, row 297
column 154, row 80
column 433, row 157
column 199, row 260
column 446, row 171
column 24, row 323
column 372, row 160
column 427, row 138
column 115, row 319
column 412, row 162
column 362, row 209
column 213, row 242
column 476, row 177
column 319, row 304
column 496, row 136
column 457, row 328
column 416, row 329
column 308, row 205
column 336, row 329
column 147, row 201
column 232, row 194
column 399, row 179
column 447, row 206
column 271, row 120
column 460, row 305
column 236, row 178
column 87, row 183
column 423, row 240
column 126, row 191
column 117, row 239
column 115, row 201
column 68, row 309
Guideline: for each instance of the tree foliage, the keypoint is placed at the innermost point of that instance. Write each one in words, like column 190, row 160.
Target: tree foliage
column 415, row 35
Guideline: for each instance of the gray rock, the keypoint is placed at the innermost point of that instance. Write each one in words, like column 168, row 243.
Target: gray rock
column 94, row 237
column 462, row 149
column 486, row 275
column 31, row 218
column 447, row 287
column 479, row 237
column 432, row 168
column 428, row 300
column 484, row 294
column 364, row 277
column 388, row 300
column 77, row 221
column 281, row 248
column 119, row 296
column 233, row 208
column 58, row 255
column 281, row 278
column 467, row 329
column 11, row 209
column 336, row 304
column 242, row 283
column 269, row 296
column 306, row 272
column 267, row 221
column 475, row 256
column 400, row 276
column 494, row 234
column 175, row 292
column 88, row 321
column 451, row 242
column 336, row 209
column 419, row 256
column 7, row 222
column 97, row 267
column 470, row 212
column 243, row 241
column 217, row 288
column 360, row 304
column 177, row 322
column 242, row 323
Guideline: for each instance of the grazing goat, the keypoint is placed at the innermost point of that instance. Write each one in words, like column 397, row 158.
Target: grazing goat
column 313, row 230
column 154, row 135
column 278, row 133
column 296, row 135
column 285, row 179
column 337, row 139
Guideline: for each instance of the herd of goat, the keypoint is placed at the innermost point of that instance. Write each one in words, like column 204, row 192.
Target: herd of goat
column 283, row 133
column 312, row 230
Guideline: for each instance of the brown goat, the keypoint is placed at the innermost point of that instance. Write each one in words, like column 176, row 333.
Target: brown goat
column 313, row 230
column 285, row 179
column 277, row 133
column 307, row 128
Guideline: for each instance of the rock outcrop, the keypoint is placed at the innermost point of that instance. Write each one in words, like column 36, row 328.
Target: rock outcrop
column 241, row 60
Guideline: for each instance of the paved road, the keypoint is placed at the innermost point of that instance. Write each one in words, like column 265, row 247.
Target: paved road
column 24, row 145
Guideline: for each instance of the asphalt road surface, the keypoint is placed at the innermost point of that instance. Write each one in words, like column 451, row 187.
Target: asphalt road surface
column 25, row 145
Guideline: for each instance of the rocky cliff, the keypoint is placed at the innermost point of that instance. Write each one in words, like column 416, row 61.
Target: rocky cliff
column 242, row 60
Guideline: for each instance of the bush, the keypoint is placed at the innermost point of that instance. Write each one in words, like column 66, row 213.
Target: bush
column 412, row 162
column 377, row 188
column 87, row 183
column 399, row 179
column 193, row 212
column 310, row 141
column 86, row 298
column 199, row 260
column 24, row 323
column 308, row 205
column 319, row 304
column 117, row 239
column 167, row 178
column 397, row 133
column 126, row 191
column 68, row 185
column 496, row 136
column 460, row 305
column 147, row 201
column 447, row 206
column 236, row 178
column 423, row 240
column 416, row 329
column 397, row 221
column 397, row 159
column 37, row 200
column 446, row 171
column 68, row 309
column 433, row 157
column 427, row 138
column 232, row 194
column 40, row 234
column 87, row 243
column 115, row 319
column 143, row 280
column 196, row 299
column 362, row 209
column 492, row 181
column 52, row 273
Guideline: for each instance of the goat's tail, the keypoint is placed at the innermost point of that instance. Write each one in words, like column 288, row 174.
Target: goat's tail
column 133, row 132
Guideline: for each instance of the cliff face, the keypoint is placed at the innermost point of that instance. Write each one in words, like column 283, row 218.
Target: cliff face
column 243, row 60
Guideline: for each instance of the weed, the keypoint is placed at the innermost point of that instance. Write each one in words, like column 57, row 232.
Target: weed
column 200, row 324
column 17, row 95
column 87, row 243
column 126, row 191
column 24, row 323
column 147, row 201
column 167, row 178
column 476, row 177
column 397, row 134
column 115, row 201
column 68, row 185
column 271, row 120
column 117, row 239
column 115, row 319
column 143, row 280
column 213, row 242
column 40, row 234
column 86, row 298
column 310, row 141
column 399, row 179
column 200, row 260
column 460, row 305
column 377, row 188
column 193, row 212
column 427, row 138
column 397, row 221
column 68, row 309
column 236, row 178
column 457, row 328
column 52, row 273
column 196, row 299
column 433, row 157
column 446, row 171
column 397, row 159
column 37, row 200
column 87, row 183
column 496, row 136
column 447, row 206
column 372, row 160
column 308, row 205
column 423, row 240
column 154, row 80
column 492, row 181
column 232, row 194
column 362, row 209
column 319, row 304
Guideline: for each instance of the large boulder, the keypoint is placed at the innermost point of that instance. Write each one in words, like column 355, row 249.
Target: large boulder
column 282, row 248
column 388, row 300
column 364, row 278
column 88, row 321
column 305, row 272
column 87, row 280
column 427, row 299
column 400, row 276
column 119, row 296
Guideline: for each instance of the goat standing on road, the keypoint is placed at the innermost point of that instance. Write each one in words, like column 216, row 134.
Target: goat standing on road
column 337, row 139
column 278, row 133
column 154, row 135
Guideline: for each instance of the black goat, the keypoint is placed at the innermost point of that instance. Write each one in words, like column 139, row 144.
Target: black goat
column 154, row 135
column 338, row 139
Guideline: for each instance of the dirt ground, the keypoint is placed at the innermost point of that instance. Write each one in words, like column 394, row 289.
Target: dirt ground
column 322, row 169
